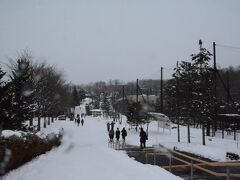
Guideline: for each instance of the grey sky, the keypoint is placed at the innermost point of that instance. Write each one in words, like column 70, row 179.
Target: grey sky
column 118, row 39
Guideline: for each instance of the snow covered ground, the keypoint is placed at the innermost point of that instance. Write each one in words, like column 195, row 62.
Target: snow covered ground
column 215, row 148
column 85, row 154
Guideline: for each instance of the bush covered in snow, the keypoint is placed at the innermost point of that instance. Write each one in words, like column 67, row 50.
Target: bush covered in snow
column 26, row 147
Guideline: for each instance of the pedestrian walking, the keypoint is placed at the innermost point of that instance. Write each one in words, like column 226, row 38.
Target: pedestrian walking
column 111, row 135
column 78, row 119
column 124, row 134
column 143, row 138
column 82, row 121
column 117, row 134
column 112, row 125
column 108, row 126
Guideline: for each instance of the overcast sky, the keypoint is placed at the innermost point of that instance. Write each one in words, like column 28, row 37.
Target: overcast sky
column 93, row 40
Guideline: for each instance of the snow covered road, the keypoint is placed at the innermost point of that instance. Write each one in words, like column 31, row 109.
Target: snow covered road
column 85, row 155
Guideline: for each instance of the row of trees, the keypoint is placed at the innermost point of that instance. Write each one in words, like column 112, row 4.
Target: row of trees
column 31, row 90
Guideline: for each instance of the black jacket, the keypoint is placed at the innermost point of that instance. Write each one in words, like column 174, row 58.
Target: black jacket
column 124, row 132
column 117, row 133
column 143, row 136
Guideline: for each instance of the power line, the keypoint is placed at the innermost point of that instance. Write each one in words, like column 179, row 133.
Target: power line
column 227, row 46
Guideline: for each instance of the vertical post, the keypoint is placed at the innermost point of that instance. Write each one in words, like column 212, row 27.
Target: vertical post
column 228, row 85
column 154, row 160
column 215, row 87
column 178, row 129
column 148, row 92
column 123, row 100
column 44, row 122
column 228, row 173
column 237, row 139
column 188, row 133
column 48, row 120
column 161, row 95
column 234, row 131
column 177, row 94
column 39, row 123
column 146, row 158
column 223, row 126
column 170, row 163
column 215, row 69
column 203, row 134
column 137, row 91
column 191, row 170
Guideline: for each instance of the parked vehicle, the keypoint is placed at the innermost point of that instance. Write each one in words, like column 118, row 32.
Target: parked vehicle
column 62, row 117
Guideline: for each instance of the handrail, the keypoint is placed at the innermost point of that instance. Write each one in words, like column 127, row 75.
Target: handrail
column 214, row 164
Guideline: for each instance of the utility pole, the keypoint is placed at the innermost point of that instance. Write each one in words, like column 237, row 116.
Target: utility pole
column 177, row 92
column 215, row 68
column 137, row 91
column 228, row 85
column 215, row 87
column 123, row 92
column 123, row 102
column 161, row 96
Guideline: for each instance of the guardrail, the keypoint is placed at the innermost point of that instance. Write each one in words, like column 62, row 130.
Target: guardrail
column 192, row 162
column 200, row 163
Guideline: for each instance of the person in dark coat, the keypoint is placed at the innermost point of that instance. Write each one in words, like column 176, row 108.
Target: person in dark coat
column 82, row 121
column 117, row 134
column 124, row 134
column 112, row 125
column 143, row 138
column 108, row 126
column 111, row 135
column 78, row 119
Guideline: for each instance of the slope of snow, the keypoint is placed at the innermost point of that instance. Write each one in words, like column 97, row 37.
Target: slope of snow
column 85, row 155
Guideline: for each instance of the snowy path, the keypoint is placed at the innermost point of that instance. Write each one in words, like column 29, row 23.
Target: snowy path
column 85, row 155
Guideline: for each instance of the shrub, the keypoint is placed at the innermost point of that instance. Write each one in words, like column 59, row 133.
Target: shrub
column 24, row 149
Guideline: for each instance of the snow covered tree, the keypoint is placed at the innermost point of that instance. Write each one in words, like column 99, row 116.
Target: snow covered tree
column 52, row 95
column 4, row 102
column 192, row 91
column 21, row 92
column 136, row 114
column 204, row 100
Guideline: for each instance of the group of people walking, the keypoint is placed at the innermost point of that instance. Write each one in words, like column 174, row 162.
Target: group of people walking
column 77, row 120
column 110, row 128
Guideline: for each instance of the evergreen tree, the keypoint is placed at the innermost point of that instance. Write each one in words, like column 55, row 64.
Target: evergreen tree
column 21, row 93
column 204, row 88
column 136, row 114
column 4, row 102
column 192, row 90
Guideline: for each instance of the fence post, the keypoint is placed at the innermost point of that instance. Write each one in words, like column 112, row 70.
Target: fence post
column 228, row 173
column 191, row 170
column 170, row 163
column 146, row 158
column 154, row 158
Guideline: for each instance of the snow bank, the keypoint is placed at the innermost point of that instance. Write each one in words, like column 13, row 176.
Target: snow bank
column 9, row 133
